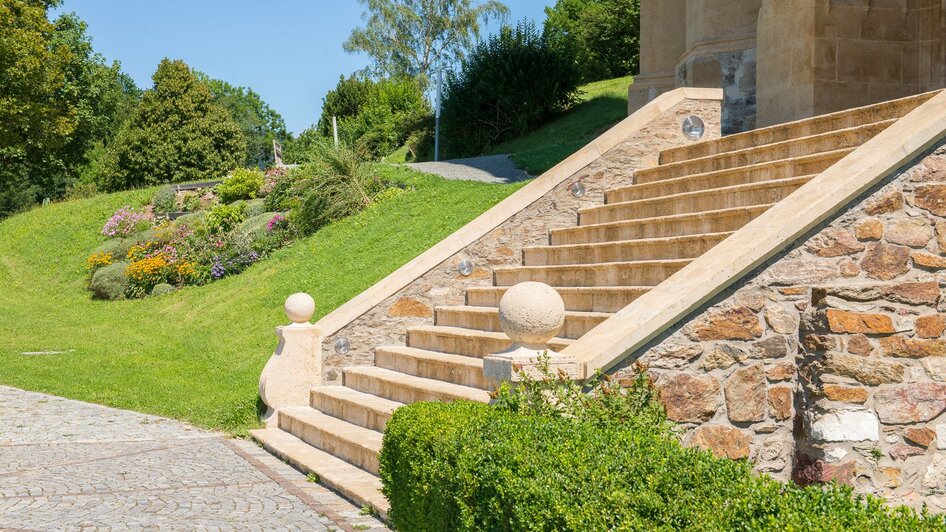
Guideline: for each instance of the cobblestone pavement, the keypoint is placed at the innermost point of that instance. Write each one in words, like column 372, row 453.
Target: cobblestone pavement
column 488, row 168
column 68, row 465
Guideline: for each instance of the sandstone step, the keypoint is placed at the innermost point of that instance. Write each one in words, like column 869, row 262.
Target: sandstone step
column 637, row 273
column 752, row 194
column 797, row 129
column 674, row 247
column 487, row 319
column 353, row 483
column 355, row 407
column 834, row 140
column 577, row 298
column 406, row 388
column 719, row 221
column 356, row 445
column 785, row 168
column 467, row 342
column 457, row 369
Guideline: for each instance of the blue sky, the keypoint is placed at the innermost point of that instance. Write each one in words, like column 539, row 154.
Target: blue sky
column 289, row 51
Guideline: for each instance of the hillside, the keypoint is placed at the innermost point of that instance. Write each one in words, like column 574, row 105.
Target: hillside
column 195, row 354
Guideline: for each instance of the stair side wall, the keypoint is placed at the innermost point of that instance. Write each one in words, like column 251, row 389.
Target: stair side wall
column 386, row 323
column 829, row 362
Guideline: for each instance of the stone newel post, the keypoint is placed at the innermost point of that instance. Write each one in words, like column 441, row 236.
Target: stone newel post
column 296, row 366
column 531, row 314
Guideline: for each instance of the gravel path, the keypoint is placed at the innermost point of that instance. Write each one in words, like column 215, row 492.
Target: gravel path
column 489, row 169
column 68, row 465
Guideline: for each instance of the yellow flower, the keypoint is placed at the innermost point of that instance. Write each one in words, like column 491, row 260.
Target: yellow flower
column 98, row 260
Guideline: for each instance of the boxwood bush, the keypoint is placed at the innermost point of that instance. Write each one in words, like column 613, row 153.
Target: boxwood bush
column 470, row 466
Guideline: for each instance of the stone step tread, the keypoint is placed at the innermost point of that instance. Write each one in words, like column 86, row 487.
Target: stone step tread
column 733, row 189
column 555, row 343
column 596, row 266
column 495, row 310
column 424, row 354
column 421, row 383
column 665, row 183
column 910, row 101
column 356, row 435
column 633, row 242
column 798, row 140
column 571, row 289
column 353, row 483
column 579, row 298
column 349, row 395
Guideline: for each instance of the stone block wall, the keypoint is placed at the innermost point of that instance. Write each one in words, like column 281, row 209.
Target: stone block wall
column 829, row 362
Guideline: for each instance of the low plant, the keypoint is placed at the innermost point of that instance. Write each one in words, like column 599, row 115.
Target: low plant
column 126, row 221
column 223, row 218
column 109, row 282
column 165, row 199
column 243, row 184
column 98, row 259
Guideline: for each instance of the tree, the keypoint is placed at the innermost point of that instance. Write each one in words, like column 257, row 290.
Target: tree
column 260, row 123
column 603, row 34
column 411, row 37
column 176, row 134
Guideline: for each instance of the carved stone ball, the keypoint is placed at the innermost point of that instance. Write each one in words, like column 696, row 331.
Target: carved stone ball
column 531, row 313
column 300, row 307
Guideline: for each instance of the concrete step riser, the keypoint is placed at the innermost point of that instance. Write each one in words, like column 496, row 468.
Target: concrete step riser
column 629, row 274
column 471, row 346
column 763, row 194
column 575, row 326
column 813, row 126
column 738, row 176
column 331, row 443
column 395, row 391
column 434, row 369
column 633, row 230
column 587, row 300
column 684, row 248
column 796, row 148
column 350, row 411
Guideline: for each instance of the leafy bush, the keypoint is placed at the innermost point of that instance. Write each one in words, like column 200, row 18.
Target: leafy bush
column 243, row 184
column 196, row 222
column 256, row 227
column 165, row 199
column 603, row 34
column 116, row 247
column 191, row 203
column 224, row 218
column 607, row 461
column 255, row 207
column 109, row 282
column 509, row 84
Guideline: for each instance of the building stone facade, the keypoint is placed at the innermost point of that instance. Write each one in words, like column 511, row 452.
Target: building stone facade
column 783, row 60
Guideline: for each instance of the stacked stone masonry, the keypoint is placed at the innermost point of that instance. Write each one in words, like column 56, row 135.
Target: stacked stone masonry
column 829, row 363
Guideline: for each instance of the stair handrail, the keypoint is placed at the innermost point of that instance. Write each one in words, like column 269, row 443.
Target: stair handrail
column 633, row 327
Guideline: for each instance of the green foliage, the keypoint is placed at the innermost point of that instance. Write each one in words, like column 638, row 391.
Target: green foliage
column 510, row 84
column 161, row 289
column 255, row 227
column 165, row 199
column 412, row 37
column 549, row 457
column 176, row 134
column 259, row 122
column 224, row 218
column 603, row 34
column 196, row 221
column 116, row 247
column 109, row 282
column 242, row 184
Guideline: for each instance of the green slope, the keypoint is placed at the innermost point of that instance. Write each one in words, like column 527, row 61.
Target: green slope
column 196, row 354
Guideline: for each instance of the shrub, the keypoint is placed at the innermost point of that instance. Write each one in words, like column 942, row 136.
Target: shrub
column 610, row 466
column 224, row 218
column 165, row 199
column 509, row 84
column 196, row 222
column 191, row 202
column 255, row 207
column 163, row 289
column 126, row 221
column 109, row 282
column 81, row 190
column 257, row 226
column 243, row 184
column 116, row 247
column 604, row 34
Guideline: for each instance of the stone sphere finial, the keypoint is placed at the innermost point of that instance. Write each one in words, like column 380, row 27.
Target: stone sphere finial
column 299, row 308
column 531, row 314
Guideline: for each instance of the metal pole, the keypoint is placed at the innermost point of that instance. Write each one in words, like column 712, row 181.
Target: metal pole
column 335, row 130
column 437, row 115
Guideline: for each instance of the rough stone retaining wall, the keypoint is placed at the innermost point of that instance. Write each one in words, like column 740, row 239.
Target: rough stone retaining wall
column 387, row 323
column 829, row 363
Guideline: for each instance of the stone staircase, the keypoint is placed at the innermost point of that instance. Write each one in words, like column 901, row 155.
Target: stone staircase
column 695, row 198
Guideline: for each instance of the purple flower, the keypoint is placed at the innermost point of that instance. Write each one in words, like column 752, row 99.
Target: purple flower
column 277, row 222
column 217, row 270
column 123, row 222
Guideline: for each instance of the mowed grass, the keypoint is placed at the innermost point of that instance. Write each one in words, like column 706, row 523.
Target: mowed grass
column 197, row 354
column 603, row 104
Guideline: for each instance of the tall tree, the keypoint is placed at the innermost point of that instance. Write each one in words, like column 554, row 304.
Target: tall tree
column 176, row 134
column 260, row 123
column 411, row 37
column 604, row 35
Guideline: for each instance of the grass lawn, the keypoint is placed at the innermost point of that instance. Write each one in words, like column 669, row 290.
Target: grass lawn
column 604, row 103
column 195, row 354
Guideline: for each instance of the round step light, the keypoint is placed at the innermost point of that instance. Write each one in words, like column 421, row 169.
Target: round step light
column 465, row 267
column 693, row 127
column 342, row 345
column 577, row 189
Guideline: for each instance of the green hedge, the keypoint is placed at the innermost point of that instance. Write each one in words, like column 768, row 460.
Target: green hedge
column 466, row 466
